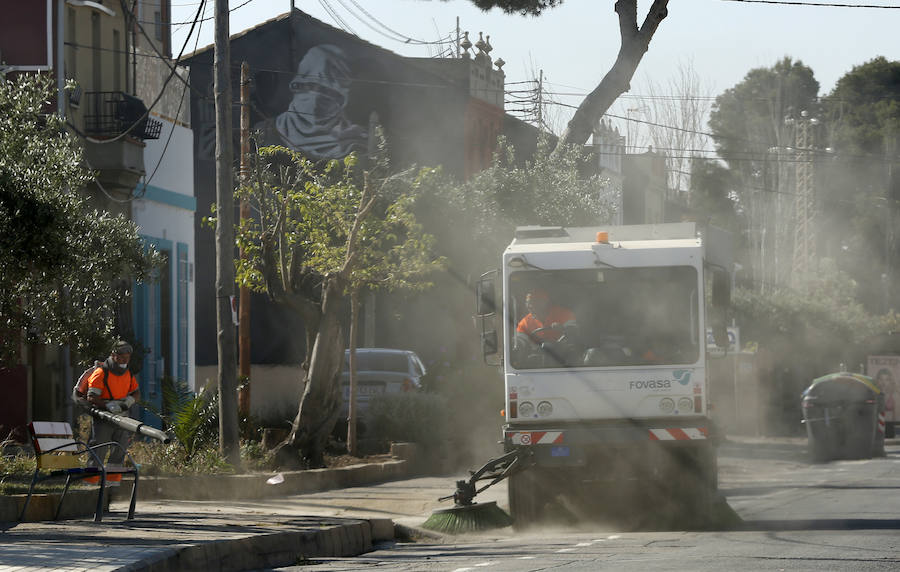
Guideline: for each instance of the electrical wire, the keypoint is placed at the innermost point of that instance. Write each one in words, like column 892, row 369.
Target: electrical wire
column 144, row 115
column 202, row 19
column 514, row 94
column 172, row 72
column 336, row 17
column 162, row 154
column 584, row 92
column 397, row 36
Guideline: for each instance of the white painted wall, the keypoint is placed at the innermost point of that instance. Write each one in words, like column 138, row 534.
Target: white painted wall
column 174, row 174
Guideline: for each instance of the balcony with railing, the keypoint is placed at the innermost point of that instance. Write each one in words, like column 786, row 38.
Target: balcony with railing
column 108, row 114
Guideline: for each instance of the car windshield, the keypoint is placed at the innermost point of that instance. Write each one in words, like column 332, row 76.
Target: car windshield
column 604, row 317
column 375, row 361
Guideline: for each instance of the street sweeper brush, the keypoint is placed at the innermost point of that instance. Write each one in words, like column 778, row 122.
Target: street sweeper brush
column 471, row 518
column 468, row 516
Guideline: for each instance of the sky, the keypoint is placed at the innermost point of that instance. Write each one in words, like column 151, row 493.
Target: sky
column 576, row 43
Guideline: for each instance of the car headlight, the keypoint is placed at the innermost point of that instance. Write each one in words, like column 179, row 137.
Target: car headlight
column 667, row 405
column 545, row 408
column 685, row 404
column 526, row 409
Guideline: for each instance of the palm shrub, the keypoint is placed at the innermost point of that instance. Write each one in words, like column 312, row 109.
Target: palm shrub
column 192, row 418
column 194, row 421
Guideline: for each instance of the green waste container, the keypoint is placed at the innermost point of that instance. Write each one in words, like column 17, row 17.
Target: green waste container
column 843, row 413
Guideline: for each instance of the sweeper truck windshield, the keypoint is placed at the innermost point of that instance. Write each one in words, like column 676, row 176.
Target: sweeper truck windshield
column 616, row 317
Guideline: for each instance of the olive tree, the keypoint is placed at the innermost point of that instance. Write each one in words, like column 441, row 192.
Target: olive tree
column 317, row 237
column 65, row 268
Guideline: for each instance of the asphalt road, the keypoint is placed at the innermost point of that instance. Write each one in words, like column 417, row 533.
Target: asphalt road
column 844, row 515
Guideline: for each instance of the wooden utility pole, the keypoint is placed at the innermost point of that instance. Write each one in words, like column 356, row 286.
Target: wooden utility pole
column 244, row 317
column 229, row 439
column 540, row 101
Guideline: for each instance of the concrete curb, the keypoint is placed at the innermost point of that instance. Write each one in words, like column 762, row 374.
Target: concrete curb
column 159, row 541
column 42, row 507
column 283, row 543
column 270, row 550
column 254, row 486
column 349, row 538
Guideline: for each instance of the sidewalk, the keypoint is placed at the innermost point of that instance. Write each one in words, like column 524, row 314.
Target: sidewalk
column 253, row 533
column 171, row 536
column 271, row 525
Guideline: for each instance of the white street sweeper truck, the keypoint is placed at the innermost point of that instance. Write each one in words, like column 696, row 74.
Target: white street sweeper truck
column 601, row 333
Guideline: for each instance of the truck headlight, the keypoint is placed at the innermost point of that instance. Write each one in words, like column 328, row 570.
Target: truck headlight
column 667, row 405
column 545, row 408
column 685, row 404
column 526, row 409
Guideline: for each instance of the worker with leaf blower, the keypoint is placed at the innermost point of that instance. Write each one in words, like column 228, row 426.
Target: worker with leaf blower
column 112, row 387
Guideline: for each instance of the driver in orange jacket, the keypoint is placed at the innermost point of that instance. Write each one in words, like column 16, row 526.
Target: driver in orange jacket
column 549, row 319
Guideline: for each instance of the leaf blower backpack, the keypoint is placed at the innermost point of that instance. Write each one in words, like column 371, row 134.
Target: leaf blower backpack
column 79, row 392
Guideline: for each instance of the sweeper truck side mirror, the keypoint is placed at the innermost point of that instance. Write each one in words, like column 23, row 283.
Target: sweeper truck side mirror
column 489, row 343
column 485, row 313
column 485, row 301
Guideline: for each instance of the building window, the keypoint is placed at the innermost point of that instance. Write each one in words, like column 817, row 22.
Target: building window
column 157, row 25
column 117, row 61
column 96, row 52
column 73, row 43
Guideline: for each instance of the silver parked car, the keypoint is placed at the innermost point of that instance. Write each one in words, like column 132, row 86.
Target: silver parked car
column 381, row 371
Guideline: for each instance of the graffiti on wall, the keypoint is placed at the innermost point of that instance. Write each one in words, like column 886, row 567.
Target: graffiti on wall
column 315, row 122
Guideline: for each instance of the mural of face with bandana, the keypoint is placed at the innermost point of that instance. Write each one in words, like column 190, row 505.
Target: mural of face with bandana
column 314, row 122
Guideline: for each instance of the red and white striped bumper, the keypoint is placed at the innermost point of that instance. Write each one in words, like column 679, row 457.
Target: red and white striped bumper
column 679, row 434
column 536, row 437
column 558, row 437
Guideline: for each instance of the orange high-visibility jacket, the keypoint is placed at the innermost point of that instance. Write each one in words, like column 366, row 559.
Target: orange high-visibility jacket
column 119, row 385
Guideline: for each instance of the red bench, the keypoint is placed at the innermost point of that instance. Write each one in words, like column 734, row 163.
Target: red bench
column 58, row 453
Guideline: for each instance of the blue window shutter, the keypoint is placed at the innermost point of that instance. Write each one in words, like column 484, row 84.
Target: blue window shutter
column 182, row 311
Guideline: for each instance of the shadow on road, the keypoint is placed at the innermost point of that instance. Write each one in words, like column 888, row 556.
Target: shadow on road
column 820, row 524
column 760, row 450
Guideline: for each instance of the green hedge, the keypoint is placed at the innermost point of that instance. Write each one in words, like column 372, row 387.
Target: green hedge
column 412, row 417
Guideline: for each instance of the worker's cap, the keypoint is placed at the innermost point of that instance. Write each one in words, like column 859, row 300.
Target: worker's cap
column 538, row 294
column 121, row 347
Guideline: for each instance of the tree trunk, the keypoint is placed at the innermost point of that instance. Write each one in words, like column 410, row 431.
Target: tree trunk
column 321, row 400
column 617, row 80
column 352, row 446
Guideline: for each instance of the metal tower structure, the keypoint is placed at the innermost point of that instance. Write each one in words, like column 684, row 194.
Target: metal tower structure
column 804, row 258
column 783, row 248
